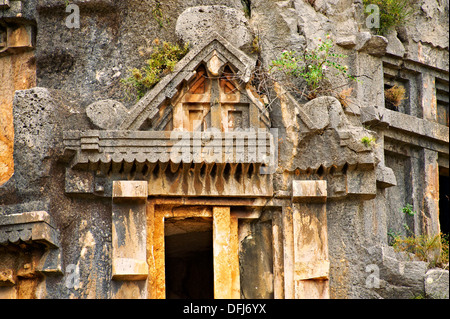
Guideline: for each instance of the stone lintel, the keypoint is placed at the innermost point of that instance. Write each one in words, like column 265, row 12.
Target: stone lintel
column 415, row 126
column 25, row 218
column 16, row 39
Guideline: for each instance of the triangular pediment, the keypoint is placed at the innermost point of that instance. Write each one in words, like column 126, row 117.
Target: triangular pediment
column 215, row 72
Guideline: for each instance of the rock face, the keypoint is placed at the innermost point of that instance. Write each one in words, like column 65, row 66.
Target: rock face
column 278, row 196
column 436, row 284
column 106, row 114
column 194, row 23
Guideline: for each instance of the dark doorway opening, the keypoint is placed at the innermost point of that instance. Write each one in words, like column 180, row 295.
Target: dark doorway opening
column 189, row 258
column 444, row 203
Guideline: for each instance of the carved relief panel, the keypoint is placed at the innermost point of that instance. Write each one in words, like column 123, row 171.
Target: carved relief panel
column 211, row 101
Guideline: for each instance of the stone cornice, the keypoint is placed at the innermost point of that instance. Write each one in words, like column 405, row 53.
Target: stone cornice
column 87, row 147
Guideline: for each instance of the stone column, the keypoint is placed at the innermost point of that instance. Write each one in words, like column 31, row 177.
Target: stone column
column 278, row 254
column 221, row 247
column 428, row 97
column 288, row 252
column 156, row 288
column 311, row 268
column 370, row 92
column 159, row 254
column 234, row 259
column 430, row 192
column 18, row 72
column 377, row 119
column 129, row 262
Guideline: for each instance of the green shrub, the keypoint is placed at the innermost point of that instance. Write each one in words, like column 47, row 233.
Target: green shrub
column 432, row 249
column 314, row 66
column 368, row 140
column 408, row 209
column 162, row 61
column 393, row 13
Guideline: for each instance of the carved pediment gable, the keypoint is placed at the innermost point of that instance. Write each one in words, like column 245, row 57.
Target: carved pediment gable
column 201, row 131
column 213, row 74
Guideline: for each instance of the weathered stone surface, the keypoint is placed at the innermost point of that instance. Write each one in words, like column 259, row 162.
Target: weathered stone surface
column 28, row 227
column 330, row 124
column 436, row 283
column 222, row 251
column 18, row 73
column 19, row 11
column 36, row 119
column 374, row 116
column 400, row 276
column 318, row 140
column 313, row 24
column 426, row 40
column 7, row 278
column 385, row 176
column 372, row 44
column 309, row 190
column 269, row 19
column 129, row 235
column 317, row 113
column 346, row 42
column 395, row 45
column 310, row 241
column 106, row 114
column 255, row 238
column 197, row 22
column 130, row 190
column 34, row 228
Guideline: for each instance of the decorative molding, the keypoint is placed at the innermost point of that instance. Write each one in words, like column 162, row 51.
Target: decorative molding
column 33, row 228
column 174, row 163
column 106, row 147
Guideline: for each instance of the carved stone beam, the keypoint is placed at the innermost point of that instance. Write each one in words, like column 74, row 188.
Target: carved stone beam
column 129, row 230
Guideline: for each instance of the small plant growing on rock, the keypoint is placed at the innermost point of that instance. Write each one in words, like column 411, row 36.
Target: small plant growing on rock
column 344, row 96
column 408, row 209
column 395, row 95
column 158, row 14
column 162, row 61
column 432, row 249
column 315, row 66
column 392, row 13
column 368, row 141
